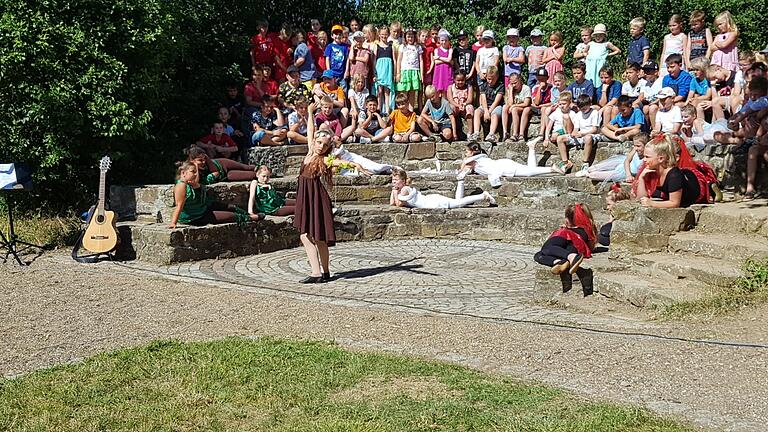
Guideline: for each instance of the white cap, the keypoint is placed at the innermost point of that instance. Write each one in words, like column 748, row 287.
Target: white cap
column 488, row 34
column 358, row 34
column 537, row 32
column 665, row 93
column 443, row 34
column 599, row 28
column 513, row 32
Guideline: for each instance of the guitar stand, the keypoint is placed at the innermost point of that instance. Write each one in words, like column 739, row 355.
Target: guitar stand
column 11, row 242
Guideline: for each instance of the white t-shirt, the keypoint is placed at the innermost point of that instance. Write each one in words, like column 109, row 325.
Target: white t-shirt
column 357, row 98
column 581, row 47
column 582, row 122
column 650, row 90
column 485, row 58
column 411, row 56
column 628, row 89
column 294, row 118
column 667, row 119
column 556, row 117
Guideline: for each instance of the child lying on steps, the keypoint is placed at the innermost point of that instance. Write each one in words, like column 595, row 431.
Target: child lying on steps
column 263, row 198
column 404, row 195
column 569, row 245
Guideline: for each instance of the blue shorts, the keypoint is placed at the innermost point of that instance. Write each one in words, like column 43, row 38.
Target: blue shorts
column 257, row 137
column 496, row 111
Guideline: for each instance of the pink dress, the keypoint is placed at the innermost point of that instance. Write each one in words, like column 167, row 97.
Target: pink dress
column 728, row 58
column 442, row 77
column 552, row 66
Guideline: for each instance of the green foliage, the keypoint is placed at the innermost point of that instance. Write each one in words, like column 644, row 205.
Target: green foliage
column 273, row 385
column 137, row 79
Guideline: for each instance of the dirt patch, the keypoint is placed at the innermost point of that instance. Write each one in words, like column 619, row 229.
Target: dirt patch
column 378, row 389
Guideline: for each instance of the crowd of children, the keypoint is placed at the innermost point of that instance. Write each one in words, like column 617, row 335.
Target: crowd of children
column 378, row 84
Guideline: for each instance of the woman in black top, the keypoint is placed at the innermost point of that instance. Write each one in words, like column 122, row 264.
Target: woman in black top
column 663, row 180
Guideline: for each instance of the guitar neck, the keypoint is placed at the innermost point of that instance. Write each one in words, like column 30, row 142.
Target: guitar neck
column 102, row 185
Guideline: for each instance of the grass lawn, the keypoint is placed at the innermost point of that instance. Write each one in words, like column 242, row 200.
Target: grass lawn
column 277, row 385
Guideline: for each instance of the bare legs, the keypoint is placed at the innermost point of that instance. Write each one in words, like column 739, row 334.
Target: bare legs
column 317, row 254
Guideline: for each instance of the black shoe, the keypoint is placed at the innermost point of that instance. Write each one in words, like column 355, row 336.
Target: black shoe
column 312, row 280
column 586, row 277
column 567, row 280
column 326, row 277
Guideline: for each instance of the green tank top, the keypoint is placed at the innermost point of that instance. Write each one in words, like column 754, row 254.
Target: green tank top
column 195, row 205
column 268, row 200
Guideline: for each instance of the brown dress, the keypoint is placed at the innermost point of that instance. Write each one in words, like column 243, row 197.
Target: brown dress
column 314, row 214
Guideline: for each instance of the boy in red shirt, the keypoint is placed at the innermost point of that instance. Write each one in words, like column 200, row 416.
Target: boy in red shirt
column 262, row 46
column 271, row 87
column 218, row 144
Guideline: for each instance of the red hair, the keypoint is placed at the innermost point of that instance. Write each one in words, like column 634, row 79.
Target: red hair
column 581, row 217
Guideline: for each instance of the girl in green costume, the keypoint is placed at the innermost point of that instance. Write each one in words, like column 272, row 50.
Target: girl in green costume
column 193, row 206
column 218, row 170
column 265, row 199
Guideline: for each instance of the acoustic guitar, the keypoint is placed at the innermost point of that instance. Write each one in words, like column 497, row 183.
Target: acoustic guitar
column 101, row 233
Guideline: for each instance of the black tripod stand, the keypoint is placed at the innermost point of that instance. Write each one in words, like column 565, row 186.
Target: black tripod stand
column 11, row 242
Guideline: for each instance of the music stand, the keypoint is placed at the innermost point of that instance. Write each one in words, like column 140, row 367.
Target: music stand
column 14, row 177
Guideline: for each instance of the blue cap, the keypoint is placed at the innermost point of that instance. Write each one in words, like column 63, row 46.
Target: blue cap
column 328, row 74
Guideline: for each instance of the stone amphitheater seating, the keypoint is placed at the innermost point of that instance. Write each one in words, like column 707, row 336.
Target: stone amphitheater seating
column 680, row 251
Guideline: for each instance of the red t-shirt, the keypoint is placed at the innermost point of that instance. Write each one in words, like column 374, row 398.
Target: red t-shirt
column 225, row 140
column 283, row 50
column 318, row 54
column 263, row 51
column 255, row 93
column 271, row 87
column 426, row 56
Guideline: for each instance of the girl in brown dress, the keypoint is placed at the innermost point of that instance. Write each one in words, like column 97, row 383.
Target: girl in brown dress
column 314, row 214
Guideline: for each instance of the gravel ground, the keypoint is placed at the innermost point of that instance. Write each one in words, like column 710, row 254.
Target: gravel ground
column 57, row 312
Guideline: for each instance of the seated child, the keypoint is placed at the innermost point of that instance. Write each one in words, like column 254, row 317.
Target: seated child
column 745, row 124
column 725, row 86
column 330, row 88
column 569, row 245
column 627, row 123
column 558, row 87
column 648, row 94
column 696, row 131
column 555, row 124
column 218, row 170
column 700, row 94
column 357, row 95
column 297, row 122
column 668, row 117
column 518, row 98
column 581, row 129
column 490, row 106
column 435, row 120
column 608, row 93
column 372, row 126
column 541, row 97
column 477, row 161
column 621, row 168
column 218, row 144
column 403, row 121
column 677, row 79
column 404, row 195
column 460, row 96
column 271, row 86
column 581, row 85
column 193, row 207
column 268, row 124
column 327, row 119
column 264, row 199
column 633, row 85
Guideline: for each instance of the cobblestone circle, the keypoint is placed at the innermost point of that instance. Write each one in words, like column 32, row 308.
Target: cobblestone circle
column 462, row 277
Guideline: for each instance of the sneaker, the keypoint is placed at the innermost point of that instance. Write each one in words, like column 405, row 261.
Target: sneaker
column 491, row 200
column 561, row 167
column 365, row 140
column 560, row 268
column 350, row 140
column 474, row 136
column 386, row 139
column 437, row 138
column 584, row 167
column 491, row 138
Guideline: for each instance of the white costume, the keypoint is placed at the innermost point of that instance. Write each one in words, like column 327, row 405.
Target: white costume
column 367, row 164
column 416, row 199
column 495, row 169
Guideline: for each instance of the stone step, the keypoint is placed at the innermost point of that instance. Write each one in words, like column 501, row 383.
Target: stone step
column 733, row 248
column 543, row 192
column 156, row 243
column 644, row 291
column 709, row 271
column 750, row 217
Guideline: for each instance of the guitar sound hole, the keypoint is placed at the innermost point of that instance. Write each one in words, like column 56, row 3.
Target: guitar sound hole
column 100, row 219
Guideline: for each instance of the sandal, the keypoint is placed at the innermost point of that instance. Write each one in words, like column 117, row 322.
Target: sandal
column 749, row 196
column 560, row 268
column 577, row 260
